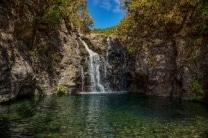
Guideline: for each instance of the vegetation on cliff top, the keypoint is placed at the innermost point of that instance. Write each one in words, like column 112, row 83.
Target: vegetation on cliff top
column 54, row 11
column 187, row 17
column 106, row 31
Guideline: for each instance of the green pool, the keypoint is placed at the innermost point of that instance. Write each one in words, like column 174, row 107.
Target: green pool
column 103, row 116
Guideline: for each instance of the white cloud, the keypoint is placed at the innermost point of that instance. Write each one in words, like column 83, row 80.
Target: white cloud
column 117, row 6
column 106, row 4
column 110, row 5
column 117, row 1
column 117, row 9
column 95, row 2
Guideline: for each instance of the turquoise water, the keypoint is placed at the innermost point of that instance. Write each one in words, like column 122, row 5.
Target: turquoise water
column 103, row 116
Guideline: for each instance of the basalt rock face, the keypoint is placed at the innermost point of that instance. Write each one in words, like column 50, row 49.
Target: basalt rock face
column 16, row 71
column 155, row 67
column 69, row 66
column 34, row 57
column 118, row 69
column 171, row 68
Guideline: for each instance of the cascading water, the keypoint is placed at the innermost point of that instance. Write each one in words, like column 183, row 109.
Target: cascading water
column 106, row 72
column 82, row 77
column 115, row 66
column 94, row 70
column 107, row 51
column 106, row 63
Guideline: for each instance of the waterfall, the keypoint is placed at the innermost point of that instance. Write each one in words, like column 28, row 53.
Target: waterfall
column 82, row 77
column 104, row 66
column 105, row 61
column 106, row 72
column 107, row 51
column 94, row 69
column 118, row 79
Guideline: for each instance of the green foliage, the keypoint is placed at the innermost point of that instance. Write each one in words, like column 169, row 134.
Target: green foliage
column 53, row 15
column 197, row 86
column 198, row 92
column 131, row 50
column 54, row 57
column 202, row 26
column 193, row 49
column 106, row 31
column 11, row 63
column 54, row 11
column 61, row 89
column 149, row 18
column 78, row 14
column 194, row 41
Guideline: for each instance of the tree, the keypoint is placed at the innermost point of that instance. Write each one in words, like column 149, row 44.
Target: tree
column 187, row 17
column 53, row 11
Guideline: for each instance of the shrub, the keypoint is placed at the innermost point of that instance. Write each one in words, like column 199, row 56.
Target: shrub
column 131, row 50
column 61, row 89
column 105, row 31
column 53, row 15
column 198, row 92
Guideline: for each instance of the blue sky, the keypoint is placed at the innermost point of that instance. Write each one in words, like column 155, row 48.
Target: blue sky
column 105, row 13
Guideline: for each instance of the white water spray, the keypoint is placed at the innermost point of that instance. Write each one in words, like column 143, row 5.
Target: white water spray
column 108, row 48
column 94, row 69
column 83, row 77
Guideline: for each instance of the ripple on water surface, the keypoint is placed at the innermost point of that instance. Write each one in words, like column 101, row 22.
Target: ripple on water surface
column 104, row 115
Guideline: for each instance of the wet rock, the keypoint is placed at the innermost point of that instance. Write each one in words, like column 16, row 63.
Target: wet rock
column 114, row 70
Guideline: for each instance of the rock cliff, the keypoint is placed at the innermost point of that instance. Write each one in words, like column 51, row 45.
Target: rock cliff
column 35, row 58
column 171, row 66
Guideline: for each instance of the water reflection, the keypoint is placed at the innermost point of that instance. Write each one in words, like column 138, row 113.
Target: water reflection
column 103, row 116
